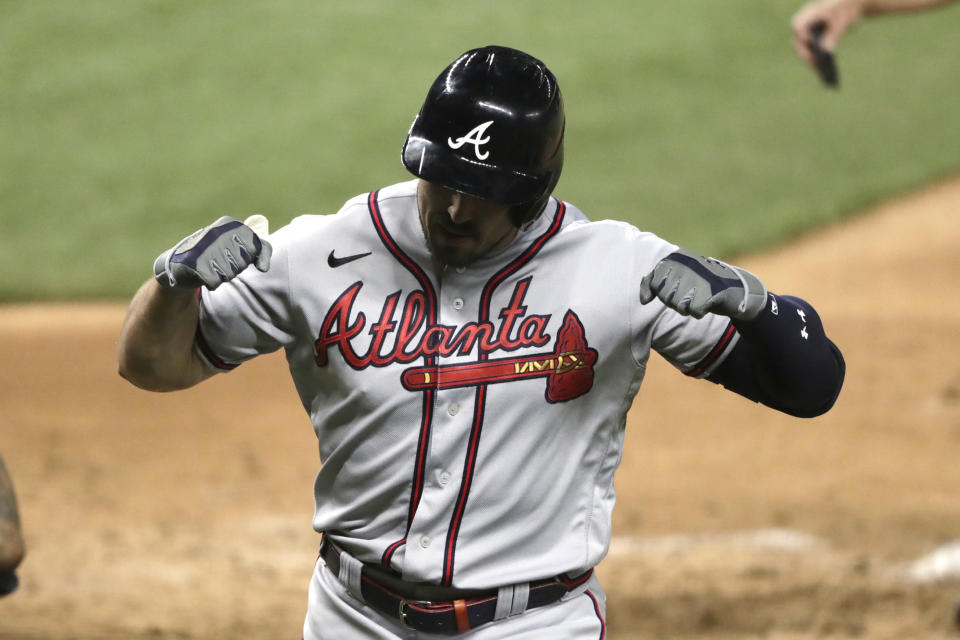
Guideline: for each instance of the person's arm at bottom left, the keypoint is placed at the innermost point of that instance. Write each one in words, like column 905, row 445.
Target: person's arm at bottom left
column 12, row 547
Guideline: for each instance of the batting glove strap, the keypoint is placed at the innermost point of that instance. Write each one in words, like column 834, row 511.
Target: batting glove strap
column 754, row 292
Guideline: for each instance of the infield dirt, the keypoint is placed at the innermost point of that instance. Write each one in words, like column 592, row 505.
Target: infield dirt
column 187, row 515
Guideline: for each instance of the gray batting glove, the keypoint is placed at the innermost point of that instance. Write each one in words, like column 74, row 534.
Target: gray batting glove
column 695, row 286
column 214, row 255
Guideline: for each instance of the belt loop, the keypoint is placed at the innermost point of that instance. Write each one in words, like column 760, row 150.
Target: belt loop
column 460, row 611
column 521, row 594
column 504, row 602
column 349, row 575
column 576, row 585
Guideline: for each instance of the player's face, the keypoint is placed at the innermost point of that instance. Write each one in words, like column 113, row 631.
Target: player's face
column 461, row 228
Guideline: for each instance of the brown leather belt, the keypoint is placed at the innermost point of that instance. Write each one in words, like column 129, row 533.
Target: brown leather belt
column 436, row 609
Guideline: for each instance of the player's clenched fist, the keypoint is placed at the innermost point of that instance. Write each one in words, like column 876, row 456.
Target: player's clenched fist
column 215, row 254
column 695, row 286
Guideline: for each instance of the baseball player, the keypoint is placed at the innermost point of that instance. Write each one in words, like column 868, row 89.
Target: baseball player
column 12, row 548
column 467, row 347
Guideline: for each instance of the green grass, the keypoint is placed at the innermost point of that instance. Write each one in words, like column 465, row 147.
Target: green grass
column 125, row 125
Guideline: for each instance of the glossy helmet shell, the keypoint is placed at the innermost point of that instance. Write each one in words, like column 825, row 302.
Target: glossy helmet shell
column 491, row 127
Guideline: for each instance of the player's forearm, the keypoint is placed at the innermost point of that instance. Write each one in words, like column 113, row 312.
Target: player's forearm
column 12, row 548
column 878, row 7
column 155, row 350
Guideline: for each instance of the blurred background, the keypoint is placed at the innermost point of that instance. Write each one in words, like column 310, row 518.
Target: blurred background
column 126, row 125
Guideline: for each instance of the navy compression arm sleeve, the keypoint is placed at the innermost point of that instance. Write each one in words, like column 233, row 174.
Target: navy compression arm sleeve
column 784, row 360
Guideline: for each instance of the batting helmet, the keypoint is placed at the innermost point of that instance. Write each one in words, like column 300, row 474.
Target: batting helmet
column 491, row 127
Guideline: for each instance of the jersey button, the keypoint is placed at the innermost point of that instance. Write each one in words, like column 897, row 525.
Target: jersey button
column 461, row 269
column 453, row 409
column 444, row 478
column 458, row 303
column 425, row 542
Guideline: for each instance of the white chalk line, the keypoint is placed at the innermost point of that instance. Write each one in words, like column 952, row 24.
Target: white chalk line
column 773, row 539
column 941, row 564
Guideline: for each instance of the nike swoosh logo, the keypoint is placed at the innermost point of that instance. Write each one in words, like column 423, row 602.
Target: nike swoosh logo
column 335, row 262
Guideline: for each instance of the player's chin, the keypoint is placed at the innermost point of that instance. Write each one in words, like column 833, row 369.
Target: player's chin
column 452, row 256
column 452, row 249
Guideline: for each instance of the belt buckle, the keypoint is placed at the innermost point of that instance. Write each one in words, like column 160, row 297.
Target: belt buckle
column 402, row 615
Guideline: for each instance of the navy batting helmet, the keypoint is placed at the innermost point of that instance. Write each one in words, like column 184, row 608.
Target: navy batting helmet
column 491, row 127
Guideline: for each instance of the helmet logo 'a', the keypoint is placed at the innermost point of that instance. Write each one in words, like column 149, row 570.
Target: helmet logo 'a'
column 475, row 138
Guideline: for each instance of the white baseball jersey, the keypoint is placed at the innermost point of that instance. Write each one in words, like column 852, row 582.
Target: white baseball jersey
column 470, row 420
